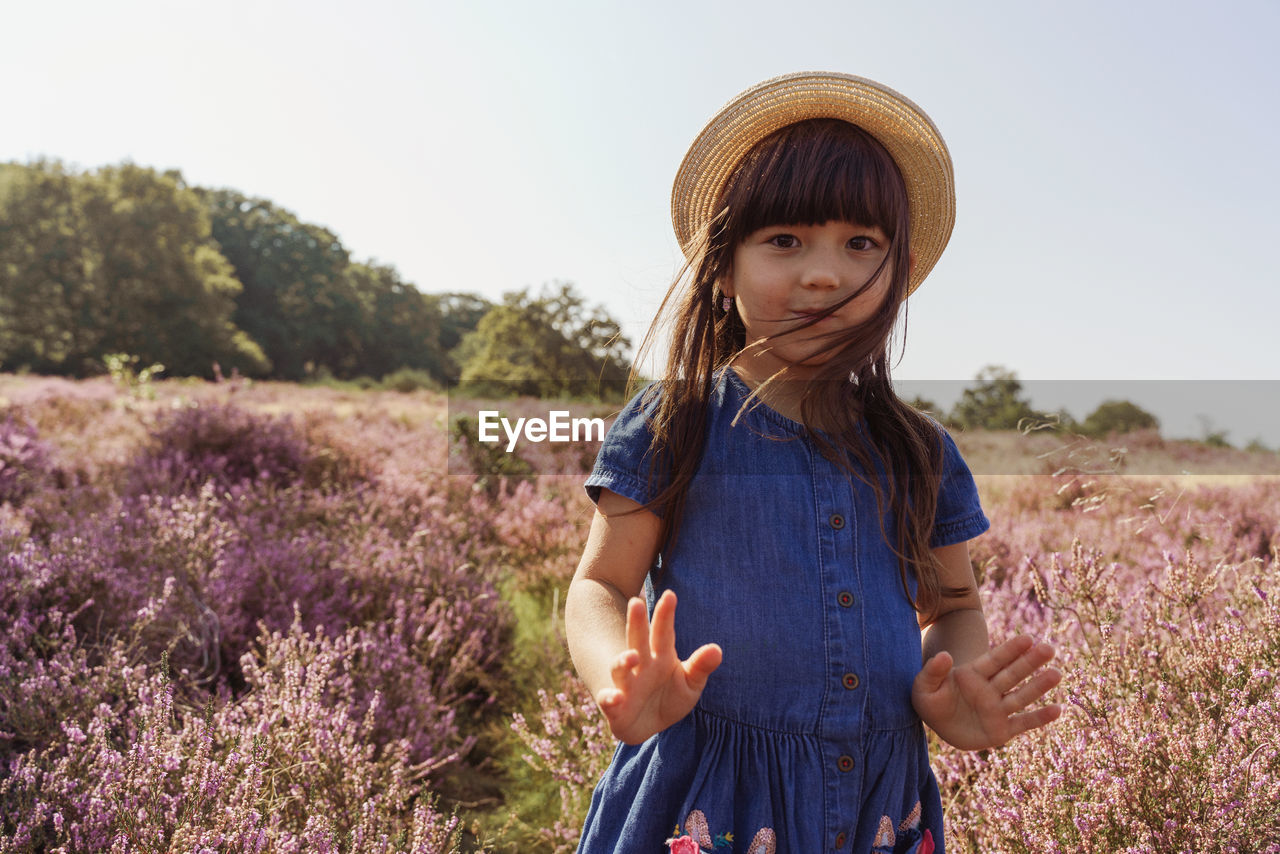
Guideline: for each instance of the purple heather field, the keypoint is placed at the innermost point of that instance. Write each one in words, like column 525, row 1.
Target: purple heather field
column 260, row 617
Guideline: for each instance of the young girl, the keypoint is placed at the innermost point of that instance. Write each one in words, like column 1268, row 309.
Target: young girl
column 808, row 523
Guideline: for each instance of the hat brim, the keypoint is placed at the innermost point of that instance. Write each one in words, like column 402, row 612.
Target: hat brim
column 896, row 122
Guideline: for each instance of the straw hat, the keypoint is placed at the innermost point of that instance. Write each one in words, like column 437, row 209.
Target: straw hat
column 899, row 125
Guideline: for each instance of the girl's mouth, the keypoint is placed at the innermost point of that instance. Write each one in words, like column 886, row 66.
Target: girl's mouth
column 820, row 314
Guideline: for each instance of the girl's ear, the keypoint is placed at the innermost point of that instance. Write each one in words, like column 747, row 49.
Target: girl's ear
column 911, row 263
column 726, row 286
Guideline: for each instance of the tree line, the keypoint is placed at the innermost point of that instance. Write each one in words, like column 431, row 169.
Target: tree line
column 130, row 260
column 996, row 401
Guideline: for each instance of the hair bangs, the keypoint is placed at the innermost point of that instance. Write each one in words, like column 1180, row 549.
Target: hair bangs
column 816, row 171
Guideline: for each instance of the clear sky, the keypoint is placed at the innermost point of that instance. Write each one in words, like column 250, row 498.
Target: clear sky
column 1118, row 185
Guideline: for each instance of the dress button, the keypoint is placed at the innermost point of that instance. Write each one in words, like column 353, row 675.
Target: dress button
column 850, row 681
column 845, row 598
column 837, row 521
column 845, row 763
column 841, row 839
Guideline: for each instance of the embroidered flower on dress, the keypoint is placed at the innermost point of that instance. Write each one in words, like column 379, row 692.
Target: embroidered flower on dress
column 697, row 838
column 765, row 842
column 696, row 825
column 909, row 834
column 683, row 845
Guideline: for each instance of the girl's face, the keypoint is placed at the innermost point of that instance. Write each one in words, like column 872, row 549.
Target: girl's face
column 783, row 275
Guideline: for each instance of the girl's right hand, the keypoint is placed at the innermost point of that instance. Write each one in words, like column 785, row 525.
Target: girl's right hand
column 652, row 688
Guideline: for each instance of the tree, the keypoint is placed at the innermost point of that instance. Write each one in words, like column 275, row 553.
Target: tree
column 172, row 293
column 1115, row 417
column 298, row 300
column 400, row 325
column 553, row 345
column 47, row 301
column 120, row 260
column 923, row 404
column 996, row 403
column 459, row 314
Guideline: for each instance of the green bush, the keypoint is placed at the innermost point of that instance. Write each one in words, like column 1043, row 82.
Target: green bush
column 409, row 380
column 995, row 403
column 1113, row 417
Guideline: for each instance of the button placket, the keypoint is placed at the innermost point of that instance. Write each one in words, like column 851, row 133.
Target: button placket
column 846, row 653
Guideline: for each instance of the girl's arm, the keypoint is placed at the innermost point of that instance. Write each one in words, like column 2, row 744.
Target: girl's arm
column 971, row 694
column 630, row 666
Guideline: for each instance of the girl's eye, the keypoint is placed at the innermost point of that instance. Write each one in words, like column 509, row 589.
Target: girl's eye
column 784, row 241
column 861, row 243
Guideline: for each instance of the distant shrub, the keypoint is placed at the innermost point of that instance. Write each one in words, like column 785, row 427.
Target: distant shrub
column 923, row 404
column 1117, row 417
column 490, row 462
column 1216, row 439
column 995, row 403
column 324, row 378
column 136, row 382
column 408, row 380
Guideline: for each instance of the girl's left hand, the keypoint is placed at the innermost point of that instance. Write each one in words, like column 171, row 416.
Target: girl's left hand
column 980, row 704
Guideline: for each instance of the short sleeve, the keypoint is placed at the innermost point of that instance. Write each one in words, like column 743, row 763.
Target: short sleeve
column 959, row 517
column 623, row 464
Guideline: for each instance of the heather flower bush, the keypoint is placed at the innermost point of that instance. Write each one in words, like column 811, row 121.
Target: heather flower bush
column 1165, row 615
column 331, row 641
column 219, row 443
column 569, row 741
column 24, row 460
column 261, row 617
column 283, row 771
column 1161, row 596
column 539, row 531
column 45, row 679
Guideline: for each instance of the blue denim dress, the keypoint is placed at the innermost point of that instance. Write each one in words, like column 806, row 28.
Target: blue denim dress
column 805, row 739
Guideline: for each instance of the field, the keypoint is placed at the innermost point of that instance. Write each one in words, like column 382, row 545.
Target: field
column 257, row 617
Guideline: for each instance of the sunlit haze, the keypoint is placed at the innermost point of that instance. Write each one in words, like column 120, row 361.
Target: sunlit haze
column 1115, row 162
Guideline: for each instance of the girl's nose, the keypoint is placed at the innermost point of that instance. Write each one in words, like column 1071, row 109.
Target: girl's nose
column 821, row 273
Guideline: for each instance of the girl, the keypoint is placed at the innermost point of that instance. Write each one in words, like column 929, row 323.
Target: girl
column 807, row 521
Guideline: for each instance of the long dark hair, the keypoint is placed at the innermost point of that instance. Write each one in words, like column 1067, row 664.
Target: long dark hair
column 816, row 171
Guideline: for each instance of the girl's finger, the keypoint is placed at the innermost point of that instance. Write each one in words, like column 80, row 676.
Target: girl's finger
column 1035, row 718
column 638, row 627
column 935, row 671
column 999, row 657
column 608, row 698
column 701, row 664
column 621, row 671
column 662, row 634
column 1020, row 668
column 1044, row 682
